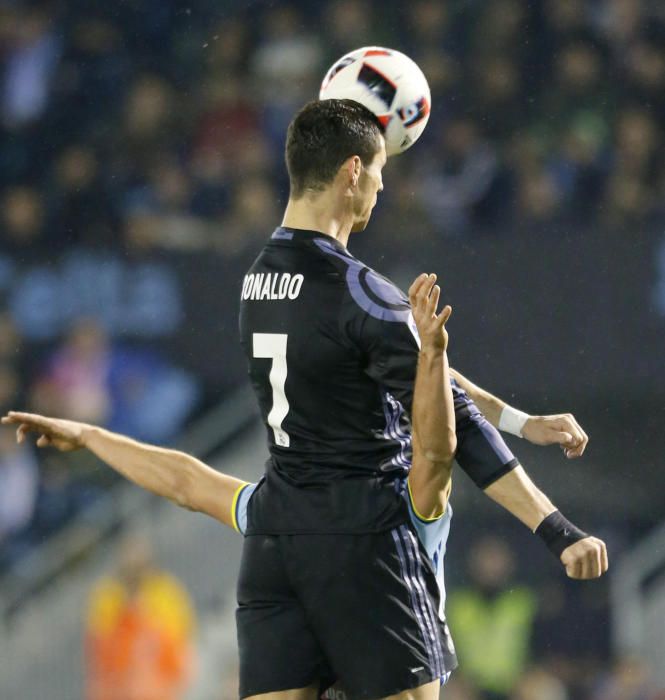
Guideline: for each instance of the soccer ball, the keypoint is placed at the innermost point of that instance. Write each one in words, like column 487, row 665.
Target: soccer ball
column 389, row 84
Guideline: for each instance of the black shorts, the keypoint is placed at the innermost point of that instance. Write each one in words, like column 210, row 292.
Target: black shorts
column 357, row 609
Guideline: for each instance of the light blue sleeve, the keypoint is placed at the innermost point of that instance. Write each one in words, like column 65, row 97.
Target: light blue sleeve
column 433, row 533
column 241, row 506
column 434, row 536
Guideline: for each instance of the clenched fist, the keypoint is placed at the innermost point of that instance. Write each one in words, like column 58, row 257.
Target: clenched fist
column 585, row 559
column 560, row 429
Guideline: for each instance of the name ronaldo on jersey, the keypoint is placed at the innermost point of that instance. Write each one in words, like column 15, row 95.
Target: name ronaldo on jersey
column 271, row 286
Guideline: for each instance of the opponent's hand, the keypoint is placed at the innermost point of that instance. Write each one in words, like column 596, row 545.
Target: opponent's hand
column 560, row 429
column 424, row 296
column 64, row 435
column 585, row 559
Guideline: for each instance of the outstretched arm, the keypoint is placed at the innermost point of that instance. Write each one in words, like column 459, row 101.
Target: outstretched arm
column 559, row 429
column 433, row 412
column 583, row 556
column 172, row 474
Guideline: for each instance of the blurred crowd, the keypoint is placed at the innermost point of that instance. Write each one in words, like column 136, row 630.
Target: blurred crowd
column 149, row 124
column 142, row 126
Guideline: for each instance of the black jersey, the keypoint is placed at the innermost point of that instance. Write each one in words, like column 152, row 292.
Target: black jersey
column 332, row 350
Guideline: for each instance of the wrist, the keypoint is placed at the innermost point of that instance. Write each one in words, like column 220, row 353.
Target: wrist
column 512, row 421
column 88, row 433
column 432, row 352
column 558, row 533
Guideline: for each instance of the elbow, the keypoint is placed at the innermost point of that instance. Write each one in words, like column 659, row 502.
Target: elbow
column 452, row 444
column 444, row 451
column 449, row 446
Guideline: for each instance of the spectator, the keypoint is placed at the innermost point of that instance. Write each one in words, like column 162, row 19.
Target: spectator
column 139, row 631
column 539, row 684
column 23, row 218
column 29, row 69
column 81, row 208
column 126, row 389
column 349, row 23
column 460, row 178
column 75, row 382
column 287, row 65
column 10, row 341
column 19, row 477
column 253, row 204
column 491, row 620
column 497, row 89
column 630, row 195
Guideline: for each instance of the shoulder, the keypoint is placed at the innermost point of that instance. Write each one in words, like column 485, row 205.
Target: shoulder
column 370, row 291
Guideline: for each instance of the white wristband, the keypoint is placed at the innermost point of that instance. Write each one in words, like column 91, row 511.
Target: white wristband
column 512, row 421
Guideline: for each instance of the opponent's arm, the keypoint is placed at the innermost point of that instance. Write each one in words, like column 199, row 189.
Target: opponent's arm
column 583, row 556
column 172, row 474
column 433, row 412
column 559, row 429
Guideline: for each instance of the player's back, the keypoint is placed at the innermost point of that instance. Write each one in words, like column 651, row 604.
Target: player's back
column 338, row 439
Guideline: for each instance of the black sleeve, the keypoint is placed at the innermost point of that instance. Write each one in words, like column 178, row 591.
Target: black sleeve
column 392, row 362
column 386, row 334
column 481, row 450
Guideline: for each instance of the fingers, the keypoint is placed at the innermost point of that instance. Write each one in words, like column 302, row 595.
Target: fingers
column 578, row 438
column 424, row 295
column 574, row 570
column 445, row 314
column 564, row 439
column 425, row 290
column 583, row 439
column 567, row 432
column 23, row 430
column 14, row 417
column 604, row 561
column 416, row 286
column 586, row 559
column 433, row 301
column 29, row 423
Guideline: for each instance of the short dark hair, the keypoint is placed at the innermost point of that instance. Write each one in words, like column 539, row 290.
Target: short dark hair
column 322, row 136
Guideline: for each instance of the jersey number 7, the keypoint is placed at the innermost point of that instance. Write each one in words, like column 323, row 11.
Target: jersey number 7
column 273, row 346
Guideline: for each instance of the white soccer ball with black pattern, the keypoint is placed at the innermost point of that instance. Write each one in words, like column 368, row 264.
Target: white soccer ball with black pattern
column 389, row 84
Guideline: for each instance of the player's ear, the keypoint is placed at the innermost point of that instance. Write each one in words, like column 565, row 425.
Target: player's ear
column 351, row 169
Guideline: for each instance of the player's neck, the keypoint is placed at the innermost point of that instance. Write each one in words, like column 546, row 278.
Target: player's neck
column 319, row 213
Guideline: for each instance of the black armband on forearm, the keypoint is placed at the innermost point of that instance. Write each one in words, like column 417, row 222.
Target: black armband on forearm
column 558, row 533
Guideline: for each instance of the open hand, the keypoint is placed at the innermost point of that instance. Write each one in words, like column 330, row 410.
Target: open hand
column 424, row 297
column 560, row 429
column 585, row 559
column 64, row 435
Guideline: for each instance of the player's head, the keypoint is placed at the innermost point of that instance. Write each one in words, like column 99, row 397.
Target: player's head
column 337, row 143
